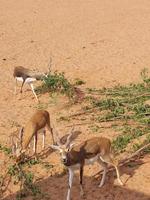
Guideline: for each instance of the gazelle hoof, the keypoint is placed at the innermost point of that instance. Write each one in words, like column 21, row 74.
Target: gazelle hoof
column 82, row 195
column 100, row 185
column 121, row 183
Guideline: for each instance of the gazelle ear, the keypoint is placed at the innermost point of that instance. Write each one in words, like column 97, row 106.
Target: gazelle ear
column 21, row 133
column 13, row 144
column 13, row 149
column 57, row 138
column 55, row 147
column 67, row 144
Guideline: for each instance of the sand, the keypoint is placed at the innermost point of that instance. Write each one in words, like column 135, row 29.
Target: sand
column 103, row 42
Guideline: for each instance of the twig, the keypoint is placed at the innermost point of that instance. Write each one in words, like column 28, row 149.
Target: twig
column 113, row 118
column 83, row 112
column 144, row 114
column 80, row 113
column 4, row 184
column 80, row 124
column 49, row 65
column 117, row 93
column 126, row 160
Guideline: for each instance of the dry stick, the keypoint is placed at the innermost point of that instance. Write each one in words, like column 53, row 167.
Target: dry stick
column 113, row 119
column 80, row 113
column 146, row 94
column 7, row 175
column 50, row 64
column 115, row 92
column 95, row 109
column 22, row 176
column 126, row 160
column 80, row 124
column 85, row 123
column 102, row 121
column 144, row 114
column 84, row 112
column 3, row 182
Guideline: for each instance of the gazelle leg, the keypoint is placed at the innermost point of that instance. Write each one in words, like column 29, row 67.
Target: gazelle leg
column 29, row 147
column 71, row 173
column 15, row 88
column 111, row 161
column 16, row 145
column 104, row 165
column 44, row 134
column 22, row 86
column 51, row 131
column 81, row 181
column 35, row 144
column 33, row 91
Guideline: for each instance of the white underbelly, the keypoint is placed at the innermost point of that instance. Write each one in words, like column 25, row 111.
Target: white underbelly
column 75, row 167
column 28, row 80
column 91, row 160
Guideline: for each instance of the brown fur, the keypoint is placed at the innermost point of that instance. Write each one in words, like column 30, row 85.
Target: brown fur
column 38, row 121
column 88, row 149
column 23, row 72
column 94, row 149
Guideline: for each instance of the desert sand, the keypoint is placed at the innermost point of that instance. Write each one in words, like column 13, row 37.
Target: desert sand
column 103, row 42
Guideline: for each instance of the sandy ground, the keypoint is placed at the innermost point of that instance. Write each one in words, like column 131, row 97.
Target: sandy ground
column 102, row 42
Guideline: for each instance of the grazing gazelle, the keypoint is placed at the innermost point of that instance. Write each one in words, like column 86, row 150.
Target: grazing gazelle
column 28, row 76
column 25, row 75
column 75, row 157
column 38, row 123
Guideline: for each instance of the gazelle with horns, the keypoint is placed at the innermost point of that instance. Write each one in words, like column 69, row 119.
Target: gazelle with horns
column 38, row 123
column 75, row 157
column 28, row 76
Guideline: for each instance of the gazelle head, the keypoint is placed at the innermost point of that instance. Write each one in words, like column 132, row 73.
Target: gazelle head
column 64, row 149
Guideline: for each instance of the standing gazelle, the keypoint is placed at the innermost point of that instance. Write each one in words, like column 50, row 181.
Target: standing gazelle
column 28, row 76
column 38, row 122
column 75, row 157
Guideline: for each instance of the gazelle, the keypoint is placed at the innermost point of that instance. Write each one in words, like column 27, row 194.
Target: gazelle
column 38, row 123
column 27, row 76
column 75, row 157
